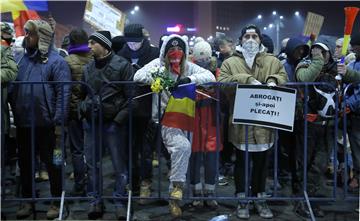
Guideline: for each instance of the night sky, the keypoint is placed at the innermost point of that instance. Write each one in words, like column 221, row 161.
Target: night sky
column 156, row 16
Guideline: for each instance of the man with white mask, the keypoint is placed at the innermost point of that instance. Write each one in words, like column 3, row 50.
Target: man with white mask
column 139, row 52
column 250, row 64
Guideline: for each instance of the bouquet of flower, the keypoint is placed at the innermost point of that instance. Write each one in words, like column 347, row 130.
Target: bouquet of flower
column 161, row 79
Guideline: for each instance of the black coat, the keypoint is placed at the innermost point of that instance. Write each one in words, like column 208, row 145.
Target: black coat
column 144, row 55
column 114, row 97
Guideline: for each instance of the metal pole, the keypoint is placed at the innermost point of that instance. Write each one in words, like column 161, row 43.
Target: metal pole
column 277, row 35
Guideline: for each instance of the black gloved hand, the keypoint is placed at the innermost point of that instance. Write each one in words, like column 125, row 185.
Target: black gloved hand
column 185, row 80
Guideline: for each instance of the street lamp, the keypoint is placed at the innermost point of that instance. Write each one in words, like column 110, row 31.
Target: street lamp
column 259, row 17
column 136, row 8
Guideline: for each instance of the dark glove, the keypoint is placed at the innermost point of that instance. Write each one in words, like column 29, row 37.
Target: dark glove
column 185, row 80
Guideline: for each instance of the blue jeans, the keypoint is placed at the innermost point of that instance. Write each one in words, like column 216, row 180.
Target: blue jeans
column 76, row 143
column 354, row 138
column 115, row 138
column 208, row 159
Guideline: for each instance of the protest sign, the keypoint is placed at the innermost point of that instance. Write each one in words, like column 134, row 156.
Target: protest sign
column 265, row 106
column 313, row 24
column 103, row 16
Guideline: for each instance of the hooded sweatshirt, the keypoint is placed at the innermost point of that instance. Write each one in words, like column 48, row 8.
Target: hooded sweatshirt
column 196, row 74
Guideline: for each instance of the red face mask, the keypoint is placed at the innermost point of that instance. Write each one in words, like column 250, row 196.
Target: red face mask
column 175, row 57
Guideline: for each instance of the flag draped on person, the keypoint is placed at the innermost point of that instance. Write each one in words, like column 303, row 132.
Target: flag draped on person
column 22, row 11
column 180, row 110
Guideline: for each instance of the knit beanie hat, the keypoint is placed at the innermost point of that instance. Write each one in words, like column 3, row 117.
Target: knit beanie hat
column 201, row 50
column 44, row 32
column 134, row 33
column 103, row 38
column 355, row 39
column 176, row 41
column 248, row 28
column 117, row 43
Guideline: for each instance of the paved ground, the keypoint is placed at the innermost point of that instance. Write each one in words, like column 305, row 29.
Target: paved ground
column 340, row 210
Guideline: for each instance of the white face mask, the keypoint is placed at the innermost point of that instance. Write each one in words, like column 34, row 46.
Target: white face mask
column 134, row 46
column 249, row 49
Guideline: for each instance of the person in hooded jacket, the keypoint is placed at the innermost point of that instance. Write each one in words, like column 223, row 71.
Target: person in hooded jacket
column 321, row 67
column 8, row 72
column 48, row 103
column 250, row 64
column 139, row 52
column 174, row 57
column 295, row 51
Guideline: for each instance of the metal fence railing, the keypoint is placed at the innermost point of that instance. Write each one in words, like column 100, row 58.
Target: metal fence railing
column 218, row 87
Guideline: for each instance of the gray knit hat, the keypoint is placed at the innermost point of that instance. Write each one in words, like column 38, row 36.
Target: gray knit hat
column 103, row 38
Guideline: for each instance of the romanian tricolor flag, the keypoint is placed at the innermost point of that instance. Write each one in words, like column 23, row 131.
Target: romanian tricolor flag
column 180, row 110
column 350, row 15
column 22, row 11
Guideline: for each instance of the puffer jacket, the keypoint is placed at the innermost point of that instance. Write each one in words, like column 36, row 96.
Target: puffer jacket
column 114, row 97
column 266, row 68
column 76, row 63
column 9, row 71
column 196, row 74
column 47, row 100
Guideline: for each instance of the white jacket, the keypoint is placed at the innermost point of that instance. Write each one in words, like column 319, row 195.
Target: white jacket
column 196, row 74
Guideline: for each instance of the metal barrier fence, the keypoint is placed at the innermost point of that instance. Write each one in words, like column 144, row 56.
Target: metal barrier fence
column 132, row 99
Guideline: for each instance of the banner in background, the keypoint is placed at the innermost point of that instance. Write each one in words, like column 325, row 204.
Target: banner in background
column 104, row 16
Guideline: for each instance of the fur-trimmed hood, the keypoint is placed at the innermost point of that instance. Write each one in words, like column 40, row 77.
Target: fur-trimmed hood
column 163, row 46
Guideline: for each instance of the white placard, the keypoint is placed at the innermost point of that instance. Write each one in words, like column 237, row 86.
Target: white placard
column 264, row 106
column 103, row 16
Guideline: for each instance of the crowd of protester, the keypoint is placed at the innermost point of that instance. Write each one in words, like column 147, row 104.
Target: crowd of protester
column 47, row 115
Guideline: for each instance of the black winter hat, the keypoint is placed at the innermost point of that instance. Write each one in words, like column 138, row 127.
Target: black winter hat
column 268, row 43
column 103, row 38
column 355, row 39
column 176, row 41
column 117, row 43
column 134, row 33
column 257, row 30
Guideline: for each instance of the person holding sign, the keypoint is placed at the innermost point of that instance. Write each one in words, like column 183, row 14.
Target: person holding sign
column 250, row 64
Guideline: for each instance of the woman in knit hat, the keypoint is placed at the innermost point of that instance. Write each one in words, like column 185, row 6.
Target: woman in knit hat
column 204, row 145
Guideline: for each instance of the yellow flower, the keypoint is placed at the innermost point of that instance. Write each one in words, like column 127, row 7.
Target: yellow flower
column 156, row 85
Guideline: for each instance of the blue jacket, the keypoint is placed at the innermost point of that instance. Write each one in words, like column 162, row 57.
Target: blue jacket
column 290, row 64
column 47, row 97
column 354, row 100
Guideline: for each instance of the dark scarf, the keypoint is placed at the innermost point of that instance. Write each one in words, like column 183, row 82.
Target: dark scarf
column 78, row 49
column 100, row 63
column 139, row 53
